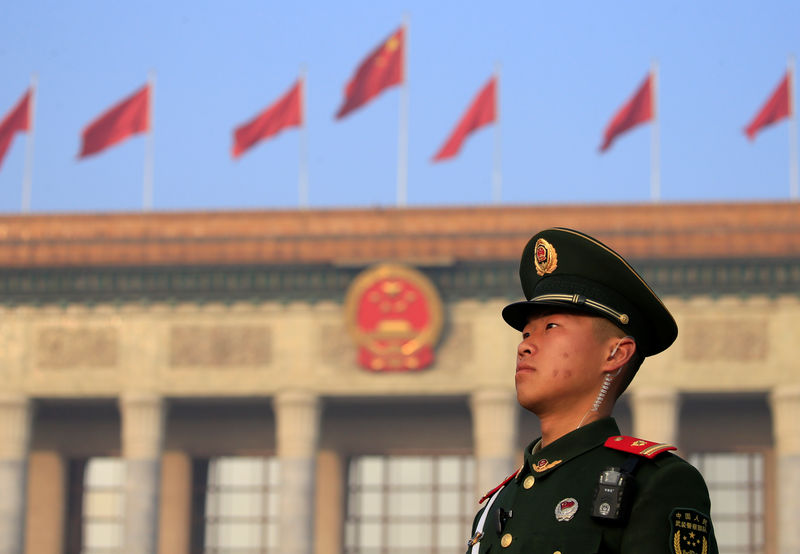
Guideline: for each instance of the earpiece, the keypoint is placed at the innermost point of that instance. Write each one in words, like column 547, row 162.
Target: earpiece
column 618, row 343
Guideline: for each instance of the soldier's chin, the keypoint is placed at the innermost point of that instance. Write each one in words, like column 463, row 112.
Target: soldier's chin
column 528, row 400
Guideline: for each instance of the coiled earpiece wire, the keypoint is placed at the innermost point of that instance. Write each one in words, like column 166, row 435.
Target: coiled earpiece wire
column 601, row 395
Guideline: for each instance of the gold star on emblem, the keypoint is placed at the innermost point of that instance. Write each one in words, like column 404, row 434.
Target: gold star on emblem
column 392, row 288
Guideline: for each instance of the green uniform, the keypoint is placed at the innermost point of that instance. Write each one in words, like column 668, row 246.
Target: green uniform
column 557, row 504
column 547, row 507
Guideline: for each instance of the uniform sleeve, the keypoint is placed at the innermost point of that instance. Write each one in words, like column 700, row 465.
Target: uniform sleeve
column 671, row 514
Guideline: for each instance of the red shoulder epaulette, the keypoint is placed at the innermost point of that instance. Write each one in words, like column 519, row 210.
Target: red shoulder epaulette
column 640, row 447
column 498, row 487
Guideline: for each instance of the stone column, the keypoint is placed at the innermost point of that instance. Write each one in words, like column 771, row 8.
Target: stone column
column 15, row 431
column 785, row 401
column 175, row 520
column 329, row 522
column 16, row 415
column 494, row 432
column 47, row 502
column 655, row 414
column 143, row 416
column 297, row 421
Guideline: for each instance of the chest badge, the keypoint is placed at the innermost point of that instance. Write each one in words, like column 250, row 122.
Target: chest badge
column 566, row 509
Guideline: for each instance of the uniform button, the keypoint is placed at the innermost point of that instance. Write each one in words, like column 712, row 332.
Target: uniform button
column 557, row 552
column 529, row 481
column 506, row 540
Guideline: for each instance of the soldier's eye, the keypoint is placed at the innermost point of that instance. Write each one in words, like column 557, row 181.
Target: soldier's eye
column 551, row 325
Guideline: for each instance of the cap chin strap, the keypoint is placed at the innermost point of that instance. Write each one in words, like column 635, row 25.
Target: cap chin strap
column 580, row 300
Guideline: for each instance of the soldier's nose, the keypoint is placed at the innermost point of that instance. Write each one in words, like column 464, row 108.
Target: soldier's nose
column 525, row 348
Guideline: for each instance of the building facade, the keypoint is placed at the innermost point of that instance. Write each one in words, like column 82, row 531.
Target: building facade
column 192, row 382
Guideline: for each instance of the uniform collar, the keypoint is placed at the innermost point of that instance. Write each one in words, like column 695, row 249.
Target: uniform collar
column 541, row 461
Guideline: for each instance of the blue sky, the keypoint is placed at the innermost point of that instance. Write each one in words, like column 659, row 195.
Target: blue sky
column 566, row 67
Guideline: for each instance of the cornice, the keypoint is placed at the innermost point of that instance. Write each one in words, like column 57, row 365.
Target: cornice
column 317, row 282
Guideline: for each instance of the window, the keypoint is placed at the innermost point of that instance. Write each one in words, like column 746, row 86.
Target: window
column 736, row 485
column 241, row 506
column 103, row 506
column 404, row 504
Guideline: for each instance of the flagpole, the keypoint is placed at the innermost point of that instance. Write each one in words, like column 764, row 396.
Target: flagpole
column 497, row 171
column 655, row 162
column 402, row 131
column 793, row 178
column 149, row 148
column 27, row 175
column 302, row 184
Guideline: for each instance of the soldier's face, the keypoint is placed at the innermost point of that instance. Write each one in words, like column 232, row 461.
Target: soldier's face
column 558, row 362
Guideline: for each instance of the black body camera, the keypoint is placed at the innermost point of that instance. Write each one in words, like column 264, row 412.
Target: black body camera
column 613, row 496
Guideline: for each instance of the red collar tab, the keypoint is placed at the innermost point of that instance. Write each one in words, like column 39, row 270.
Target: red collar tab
column 498, row 487
column 640, row 447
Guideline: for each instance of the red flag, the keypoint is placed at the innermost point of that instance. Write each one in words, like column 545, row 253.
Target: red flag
column 129, row 117
column 776, row 108
column 287, row 111
column 639, row 109
column 17, row 120
column 383, row 68
column 482, row 111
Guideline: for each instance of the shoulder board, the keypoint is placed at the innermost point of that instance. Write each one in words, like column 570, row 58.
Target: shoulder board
column 640, row 447
column 498, row 487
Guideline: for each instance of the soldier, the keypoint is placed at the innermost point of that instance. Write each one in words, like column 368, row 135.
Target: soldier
column 587, row 324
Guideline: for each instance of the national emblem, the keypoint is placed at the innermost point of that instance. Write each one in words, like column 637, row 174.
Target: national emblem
column 395, row 315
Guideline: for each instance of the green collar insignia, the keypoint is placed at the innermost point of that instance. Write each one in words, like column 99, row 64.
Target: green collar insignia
column 547, row 459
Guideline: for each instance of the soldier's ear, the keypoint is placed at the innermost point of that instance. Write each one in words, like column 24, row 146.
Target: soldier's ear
column 620, row 353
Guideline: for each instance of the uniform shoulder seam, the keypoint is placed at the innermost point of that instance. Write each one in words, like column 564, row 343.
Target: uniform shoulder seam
column 498, row 487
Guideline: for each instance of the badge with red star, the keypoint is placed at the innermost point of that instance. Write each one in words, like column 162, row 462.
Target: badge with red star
column 689, row 531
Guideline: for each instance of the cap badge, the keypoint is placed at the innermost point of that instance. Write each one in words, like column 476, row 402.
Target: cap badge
column 566, row 509
column 544, row 257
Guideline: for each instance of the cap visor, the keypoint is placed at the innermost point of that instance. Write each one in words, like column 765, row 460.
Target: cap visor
column 518, row 313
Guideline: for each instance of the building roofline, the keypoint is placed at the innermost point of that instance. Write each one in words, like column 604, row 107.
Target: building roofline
column 718, row 230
